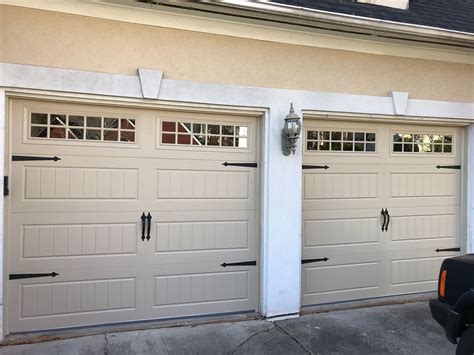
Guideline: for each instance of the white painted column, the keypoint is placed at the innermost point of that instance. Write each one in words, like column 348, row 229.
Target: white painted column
column 281, row 242
column 470, row 189
column 3, row 111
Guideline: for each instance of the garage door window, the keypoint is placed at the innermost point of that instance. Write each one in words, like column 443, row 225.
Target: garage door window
column 422, row 143
column 341, row 141
column 204, row 134
column 81, row 127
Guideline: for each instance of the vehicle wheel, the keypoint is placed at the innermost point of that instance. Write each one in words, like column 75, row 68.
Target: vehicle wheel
column 466, row 343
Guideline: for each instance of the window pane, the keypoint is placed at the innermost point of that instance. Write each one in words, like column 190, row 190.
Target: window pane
column 213, row 140
column 184, row 127
column 370, row 147
column 359, row 147
column 199, row 139
column 76, row 121
column 126, row 123
column 324, row 146
column 184, row 139
column 359, row 136
column 241, row 142
column 370, row 137
column 126, row 136
column 168, row 126
column 312, row 135
column 39, row 132
column 94, row 122
column 39, row 118
column 213, row 129
column 93, row 134
column 348, row 136
column 397, row 147
column 336, row 146
column 111, row 122
column 397, row 137
column 448, row 148
column 228, row 130
column 228, row 141
column 348, row 147
column 336, row 136
column 312, row 145
column 57, row 120
column 241, row 131
column 438, row 148
column 324, row 136
column 57, row 132
column 408, row 148
column 110, row 135
column 448, row 139
column 75, row 133
column 407, row 138
column 168, row 138
column 199, row 128
column 427, row 148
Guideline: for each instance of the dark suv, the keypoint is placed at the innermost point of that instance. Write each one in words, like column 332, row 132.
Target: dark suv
column 454, row 308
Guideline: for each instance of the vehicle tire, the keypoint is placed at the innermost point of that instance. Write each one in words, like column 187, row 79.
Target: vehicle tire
column 466, row 343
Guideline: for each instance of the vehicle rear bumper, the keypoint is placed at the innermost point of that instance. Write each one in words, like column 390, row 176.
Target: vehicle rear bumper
column 447, row 318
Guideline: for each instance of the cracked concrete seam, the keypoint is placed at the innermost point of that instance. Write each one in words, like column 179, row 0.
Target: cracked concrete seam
column 249, row 338
column 106, row 350
column 293, row 338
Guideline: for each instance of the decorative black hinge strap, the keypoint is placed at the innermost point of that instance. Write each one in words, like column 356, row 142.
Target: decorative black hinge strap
column 448, row 249
column 325, row 167
column 307, row 261
column 245, row 165
column 241, row 263
column 458, row 167
column 32, row 158
column 31, row 276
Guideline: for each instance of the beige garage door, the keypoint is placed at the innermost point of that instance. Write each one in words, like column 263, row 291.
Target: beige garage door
column 379, row 176
column 136, row 217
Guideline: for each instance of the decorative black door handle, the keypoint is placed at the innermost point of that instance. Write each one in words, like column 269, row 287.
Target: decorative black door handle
column 388, row 220
column 143, row 218
column 384, row 219
column 148, row 218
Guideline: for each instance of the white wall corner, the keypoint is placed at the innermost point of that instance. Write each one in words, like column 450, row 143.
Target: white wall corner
column 400, row 102
column 150, row 81
column 470, row 190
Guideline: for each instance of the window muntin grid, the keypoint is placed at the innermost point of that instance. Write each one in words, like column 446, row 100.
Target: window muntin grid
column 341, row 141
column 77, row 127
column 204, row 134
column 422, row 143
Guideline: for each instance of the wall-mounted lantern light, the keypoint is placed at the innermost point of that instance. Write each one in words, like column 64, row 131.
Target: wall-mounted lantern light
column 291, row 132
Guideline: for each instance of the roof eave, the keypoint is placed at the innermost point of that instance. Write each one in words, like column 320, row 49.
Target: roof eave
column 269, row 11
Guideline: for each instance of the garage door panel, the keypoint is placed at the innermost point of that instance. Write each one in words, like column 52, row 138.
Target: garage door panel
column 81, row 216
column 76, row 297
column 342, row 207
column 340, row 231
column 107, row 240
column 193, row 287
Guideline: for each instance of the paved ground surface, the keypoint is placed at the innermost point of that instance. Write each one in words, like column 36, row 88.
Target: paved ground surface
column 398, row 329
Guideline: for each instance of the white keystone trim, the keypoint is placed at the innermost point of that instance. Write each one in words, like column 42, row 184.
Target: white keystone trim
column 150, row 80
column 281, row 183
column 400, row 102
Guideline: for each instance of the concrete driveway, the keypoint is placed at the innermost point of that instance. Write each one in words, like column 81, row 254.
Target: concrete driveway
column 396, row 329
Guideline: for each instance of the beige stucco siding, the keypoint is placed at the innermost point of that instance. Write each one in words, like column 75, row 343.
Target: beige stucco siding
column 76, row 42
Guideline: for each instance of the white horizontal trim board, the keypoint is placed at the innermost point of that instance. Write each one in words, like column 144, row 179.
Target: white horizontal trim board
column 76, row 81
column 281, row 182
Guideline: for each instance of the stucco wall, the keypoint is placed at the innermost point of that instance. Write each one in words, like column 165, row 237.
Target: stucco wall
column 76, row 42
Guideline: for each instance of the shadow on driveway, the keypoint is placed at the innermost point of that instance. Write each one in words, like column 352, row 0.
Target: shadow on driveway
column 397, row 329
